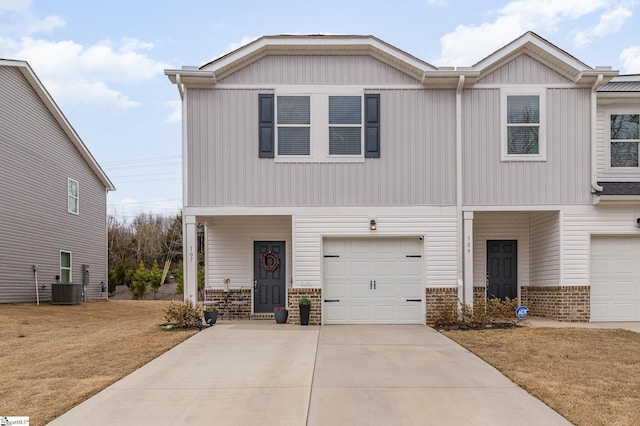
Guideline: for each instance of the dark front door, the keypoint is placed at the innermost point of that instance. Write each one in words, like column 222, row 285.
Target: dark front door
column 502, row 268
column 269, row 275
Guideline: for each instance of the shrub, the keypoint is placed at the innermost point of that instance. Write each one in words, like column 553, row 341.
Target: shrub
column 183, row 314
column 483, row 314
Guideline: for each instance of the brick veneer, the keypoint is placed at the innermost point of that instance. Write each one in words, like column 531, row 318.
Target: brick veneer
column 479, row 293
column 560, row 303
column 313, row 294
column 438, row 299
column 229, row 310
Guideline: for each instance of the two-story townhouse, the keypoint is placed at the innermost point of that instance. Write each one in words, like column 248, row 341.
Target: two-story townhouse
column 53, row 217
column 343, row 169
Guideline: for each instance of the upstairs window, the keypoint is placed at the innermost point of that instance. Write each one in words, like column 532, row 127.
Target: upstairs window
column 72, row 196
column 523, row 127
column 624, row 137
column 345, row 125
column 317, row 127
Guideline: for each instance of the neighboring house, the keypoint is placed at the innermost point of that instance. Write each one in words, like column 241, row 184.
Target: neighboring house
column 343, row 169
column 53, row 210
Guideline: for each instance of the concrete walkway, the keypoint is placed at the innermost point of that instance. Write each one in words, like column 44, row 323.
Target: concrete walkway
column 544, row 322
column 260, row 373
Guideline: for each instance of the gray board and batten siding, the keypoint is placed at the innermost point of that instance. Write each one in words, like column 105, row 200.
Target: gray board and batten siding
column 36, row 159
column 416, row 165
column 564, row 178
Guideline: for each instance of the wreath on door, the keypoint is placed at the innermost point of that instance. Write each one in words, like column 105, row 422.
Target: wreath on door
column 269, row 261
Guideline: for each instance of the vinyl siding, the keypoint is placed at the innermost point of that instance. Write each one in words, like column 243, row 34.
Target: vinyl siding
column 230, row 247
column 500, row 226
column 417, row 164
column 437, row 227
column 36, row 160
column 562, row 179
column 578, row 226
column 524, row 70
column 316, row 69
column 545, row 248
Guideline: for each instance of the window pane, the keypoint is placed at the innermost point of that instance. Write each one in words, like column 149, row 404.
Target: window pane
column 293, row 141
column 624, row 154
column 65, row 260
column 344, row 140
column 73, row 188
column 65, row 276
column 345, row 110
column 293, row 110
column 625, row 126
column 522, row 140
column 523, row 109
column 73, row 204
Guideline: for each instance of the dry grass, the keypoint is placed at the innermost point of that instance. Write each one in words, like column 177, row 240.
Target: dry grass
column 591, row 377
column 54, row 357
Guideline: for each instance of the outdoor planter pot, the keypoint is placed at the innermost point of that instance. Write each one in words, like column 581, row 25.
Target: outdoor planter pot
column 210, row 317
column 305, row 309
column 281, row 315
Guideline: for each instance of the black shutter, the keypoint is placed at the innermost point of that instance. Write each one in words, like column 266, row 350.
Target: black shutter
column 265, row 126
column 372, row 126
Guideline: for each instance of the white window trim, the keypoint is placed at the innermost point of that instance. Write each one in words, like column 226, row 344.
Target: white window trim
column 70, row 265
column 319, row 124
column 616, row 171
column 542, row 139
column 77, row 196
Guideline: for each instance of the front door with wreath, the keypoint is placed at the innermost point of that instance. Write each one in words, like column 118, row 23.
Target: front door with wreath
column 269, row 275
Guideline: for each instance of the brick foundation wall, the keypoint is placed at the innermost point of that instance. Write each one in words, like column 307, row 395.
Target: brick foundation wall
column 437, row 299
column 479, row 293
column 313, row 294
column 560, row 303
column 229, row 309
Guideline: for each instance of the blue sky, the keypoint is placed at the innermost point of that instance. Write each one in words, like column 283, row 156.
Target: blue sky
column 103, row 61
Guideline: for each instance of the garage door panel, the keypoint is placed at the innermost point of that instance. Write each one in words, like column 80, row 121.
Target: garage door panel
column 615, row 279
column 377, row 278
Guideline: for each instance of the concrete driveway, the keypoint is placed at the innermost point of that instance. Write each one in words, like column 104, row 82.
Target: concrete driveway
column 260, row 373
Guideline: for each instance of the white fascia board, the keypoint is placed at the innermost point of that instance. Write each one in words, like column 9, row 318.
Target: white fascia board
column 418, row 211
column 60, row 118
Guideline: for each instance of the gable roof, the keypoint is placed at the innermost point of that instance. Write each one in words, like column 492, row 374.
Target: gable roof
column 211, row 72
column 57, row 114
column 548, row 54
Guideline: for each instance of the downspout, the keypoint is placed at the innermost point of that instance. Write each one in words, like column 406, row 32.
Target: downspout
column 459, row 219
column 594, row 116
column 180, row 87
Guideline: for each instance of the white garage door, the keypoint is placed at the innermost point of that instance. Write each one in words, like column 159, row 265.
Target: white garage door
column 372, row 281
column 615, row 279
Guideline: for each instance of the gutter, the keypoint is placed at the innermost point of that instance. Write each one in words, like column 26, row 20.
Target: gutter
column 594, row 116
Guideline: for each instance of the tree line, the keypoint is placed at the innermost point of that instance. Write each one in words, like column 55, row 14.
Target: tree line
column 144, row 252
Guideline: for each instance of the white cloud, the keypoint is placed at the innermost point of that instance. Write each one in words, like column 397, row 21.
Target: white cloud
column 610, row 22
column 74, row 73
column 468, row 44
column 245, row 40
column 176, row 112
column 630, row 58
column 437, row 2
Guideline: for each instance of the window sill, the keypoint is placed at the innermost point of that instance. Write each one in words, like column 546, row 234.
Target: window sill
column 341, row 159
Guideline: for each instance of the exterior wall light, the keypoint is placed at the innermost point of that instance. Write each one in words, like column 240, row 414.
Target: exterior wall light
column 372, row 225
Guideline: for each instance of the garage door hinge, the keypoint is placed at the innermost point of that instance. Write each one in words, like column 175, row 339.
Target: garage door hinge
column 331, row 255
column 331, row 300
column 414, row 300
column 414, row 255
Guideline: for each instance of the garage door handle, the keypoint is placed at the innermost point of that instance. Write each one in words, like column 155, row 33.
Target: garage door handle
column 331, row 300
column 414, row 300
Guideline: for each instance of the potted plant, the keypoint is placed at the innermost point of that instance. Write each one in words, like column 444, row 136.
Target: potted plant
column 210, row 314
column 280, row 314
column 305, row 309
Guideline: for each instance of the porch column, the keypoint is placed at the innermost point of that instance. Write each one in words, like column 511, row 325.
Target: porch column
column 468, row 258
column 190, row 259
